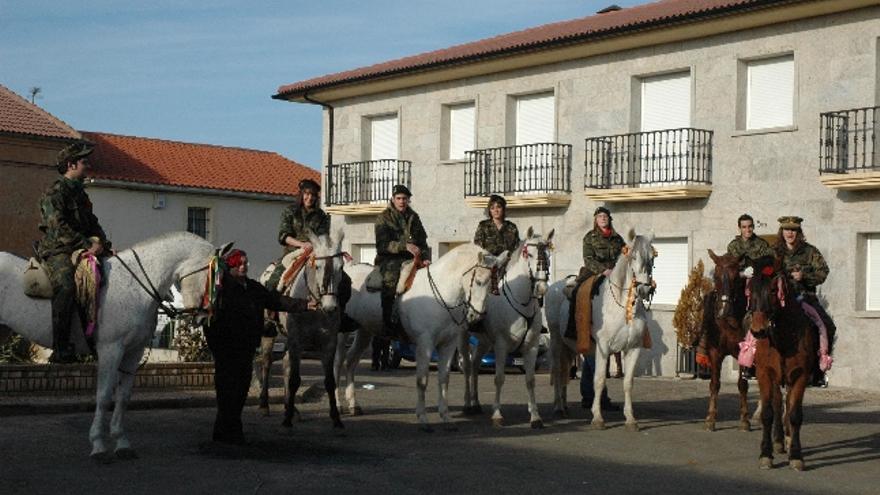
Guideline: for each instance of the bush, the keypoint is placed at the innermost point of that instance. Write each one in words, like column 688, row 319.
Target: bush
column 17, row 350
column 191, row 344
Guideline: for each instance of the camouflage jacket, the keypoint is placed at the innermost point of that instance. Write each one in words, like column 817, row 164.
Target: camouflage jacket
column 751, row 249
column 295, row 222
column 811, row 264
column 496, row 240
column 600, row 253
column 67, row 220
column 395, row 229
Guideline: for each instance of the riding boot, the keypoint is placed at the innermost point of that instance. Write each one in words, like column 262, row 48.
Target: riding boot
column 60, row 272
column 392, row 327
column 571, row 328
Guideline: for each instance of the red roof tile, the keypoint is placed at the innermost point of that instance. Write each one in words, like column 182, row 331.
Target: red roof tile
column 20, row 116
column 204, row 166
column 651, row 15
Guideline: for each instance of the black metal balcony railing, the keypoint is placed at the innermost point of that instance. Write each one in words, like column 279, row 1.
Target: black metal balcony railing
column 521, row 169
column 667, row 157
column 366, row 182
column 847, row 142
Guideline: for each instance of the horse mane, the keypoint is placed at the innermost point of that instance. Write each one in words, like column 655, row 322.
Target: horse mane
column 643, row 246
column 174, row 235
column 467, row 251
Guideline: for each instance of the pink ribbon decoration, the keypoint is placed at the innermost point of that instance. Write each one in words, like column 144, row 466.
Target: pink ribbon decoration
column 747, row 349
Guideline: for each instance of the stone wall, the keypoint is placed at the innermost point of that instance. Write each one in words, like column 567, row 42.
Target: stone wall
column 81, row 378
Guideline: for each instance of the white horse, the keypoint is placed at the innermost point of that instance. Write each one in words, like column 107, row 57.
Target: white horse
column 126, row 320
column 513, row 322
column 630, row 282
column 317, row 281
column 445, row 297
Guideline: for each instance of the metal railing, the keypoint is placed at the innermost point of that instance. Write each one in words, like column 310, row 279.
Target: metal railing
column 639, row 159
column 847, row 142
column 367, row 181
column 521, row 169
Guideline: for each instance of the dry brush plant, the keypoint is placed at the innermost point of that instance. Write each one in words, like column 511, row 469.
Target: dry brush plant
column 688, row 317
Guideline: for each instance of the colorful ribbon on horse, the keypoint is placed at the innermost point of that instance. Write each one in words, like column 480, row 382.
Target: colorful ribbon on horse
column 747, row 349
column 88, row 280
column 213, row 283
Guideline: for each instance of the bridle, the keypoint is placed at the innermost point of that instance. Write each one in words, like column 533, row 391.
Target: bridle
column 327, row 287
column 542, row 265
column 636, row 284
column 467, row 304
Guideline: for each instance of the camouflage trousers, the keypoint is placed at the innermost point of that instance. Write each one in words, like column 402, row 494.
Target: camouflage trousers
column 390, row 269
column 60, row 271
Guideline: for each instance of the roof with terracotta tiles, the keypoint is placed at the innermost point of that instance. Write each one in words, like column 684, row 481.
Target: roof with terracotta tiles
column 19, row 116
column 641, row 17
column 201, row 166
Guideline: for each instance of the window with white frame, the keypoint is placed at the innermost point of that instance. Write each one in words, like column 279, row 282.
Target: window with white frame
column 535, row 123
column 365, row 253
column 665, row 105
column 460, row 129
column 770, row 92
column 872, row 272
column 198, row 221
column 384, row 147
column 671, row 268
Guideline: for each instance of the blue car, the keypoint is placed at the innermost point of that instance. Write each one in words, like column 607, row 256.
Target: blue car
column 405, row 351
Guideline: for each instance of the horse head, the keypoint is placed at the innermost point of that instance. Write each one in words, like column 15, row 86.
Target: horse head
column 476, row 282
column 198, row 280
column 536, row 247
column 768, row 292
column 639, row 254
column 729, row 288
column 325, row 269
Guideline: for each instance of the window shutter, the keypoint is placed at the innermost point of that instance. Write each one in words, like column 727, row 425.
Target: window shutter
column 770, row 93
column 535, row 119
column 666, row 102
column 461, row 130
column 366, row 253
column 383, row 137
column 671, row 269
column 872, row 275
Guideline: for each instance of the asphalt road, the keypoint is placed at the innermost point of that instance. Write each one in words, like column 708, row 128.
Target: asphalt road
column 384, row 452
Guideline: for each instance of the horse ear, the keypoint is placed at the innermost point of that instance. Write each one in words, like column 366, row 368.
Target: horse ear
column 630, row 235
column 481, row 256
column 530, row 232
column 650, row 237
column 550, row 235
column 713, row 256
column 225, row 248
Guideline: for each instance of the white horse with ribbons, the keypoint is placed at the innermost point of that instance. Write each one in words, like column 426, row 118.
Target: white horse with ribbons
column 136, row 282
column 444, row 299
column 513, row 323
column 619, row 318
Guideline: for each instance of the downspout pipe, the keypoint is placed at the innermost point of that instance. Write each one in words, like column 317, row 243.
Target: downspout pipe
column 329, row 174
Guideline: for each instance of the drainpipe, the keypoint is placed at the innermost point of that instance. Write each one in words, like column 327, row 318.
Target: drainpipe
column 329, row 146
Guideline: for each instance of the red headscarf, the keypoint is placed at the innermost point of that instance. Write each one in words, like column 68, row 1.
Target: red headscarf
column 233, row 258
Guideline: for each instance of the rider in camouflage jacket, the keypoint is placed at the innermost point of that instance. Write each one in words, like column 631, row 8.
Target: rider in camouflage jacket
column 493, row 239
column 600, row 252
column 752, row 248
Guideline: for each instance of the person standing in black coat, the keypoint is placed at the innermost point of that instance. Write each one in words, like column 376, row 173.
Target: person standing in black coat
column 233, row 334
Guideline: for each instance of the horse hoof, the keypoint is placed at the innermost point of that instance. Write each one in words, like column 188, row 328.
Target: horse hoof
column 537, row 424
column 709, row 426
column 745, row 426
column 632, row 426
column 598, row 424
column 426, row 429
column 796, row 464
column 473, row 410
column 126, row 454
column 778, row 448
column 356, row 411
column 765, row 463
column 498, row 422
column 102, row 457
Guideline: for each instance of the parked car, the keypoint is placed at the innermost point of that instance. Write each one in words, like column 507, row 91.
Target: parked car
column 405, row 351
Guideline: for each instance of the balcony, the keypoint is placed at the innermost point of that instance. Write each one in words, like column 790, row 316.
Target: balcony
column 649, row 166
column 847, row 144
column 527, row 175
column 363, row 188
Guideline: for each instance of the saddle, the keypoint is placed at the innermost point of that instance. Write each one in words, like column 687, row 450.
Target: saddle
column 293, row 263
column 583, row 312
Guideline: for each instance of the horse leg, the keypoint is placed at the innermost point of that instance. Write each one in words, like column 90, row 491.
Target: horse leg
column 352, row 359
column 715, row 360
column 601, row 360
column 464, row 350
column 328, row 358
column 530, row 358
column 294, row 380
column 560, row 364
column 743, row 385
column 108, row 366
column 443, row 384
column 265, row 361
column 127, row 370
column 631, row 358
column 778, row 428
column 339, row 364
column 795, row 414
column 423, row 362
column 766, row 385
column 500, row 361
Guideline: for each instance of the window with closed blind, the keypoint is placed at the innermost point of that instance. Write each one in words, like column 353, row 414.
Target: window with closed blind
column 665, row 105
column 671, row 268
column 769, row 90
column 872, row 272
column 535, row 123
column 460, row 130
column 384, row 148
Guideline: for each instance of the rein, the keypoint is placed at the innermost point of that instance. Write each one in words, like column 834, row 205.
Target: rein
column 327, row 281
column 164, row 307
column 439, row 297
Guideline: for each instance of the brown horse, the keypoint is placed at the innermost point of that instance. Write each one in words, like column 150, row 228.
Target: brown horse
column 785, row 351
column 723, row 312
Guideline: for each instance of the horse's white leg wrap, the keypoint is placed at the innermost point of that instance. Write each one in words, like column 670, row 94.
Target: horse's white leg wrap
column 108, row 365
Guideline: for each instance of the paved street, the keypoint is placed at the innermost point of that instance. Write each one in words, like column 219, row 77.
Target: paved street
column 383, row 451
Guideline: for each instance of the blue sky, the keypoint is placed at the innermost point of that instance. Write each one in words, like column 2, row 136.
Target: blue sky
column 204, row 71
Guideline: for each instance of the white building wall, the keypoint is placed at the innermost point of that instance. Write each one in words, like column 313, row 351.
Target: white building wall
column 128, row 217
column 767, row 174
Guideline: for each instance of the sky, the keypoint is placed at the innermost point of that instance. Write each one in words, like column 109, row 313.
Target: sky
column 205, row 72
